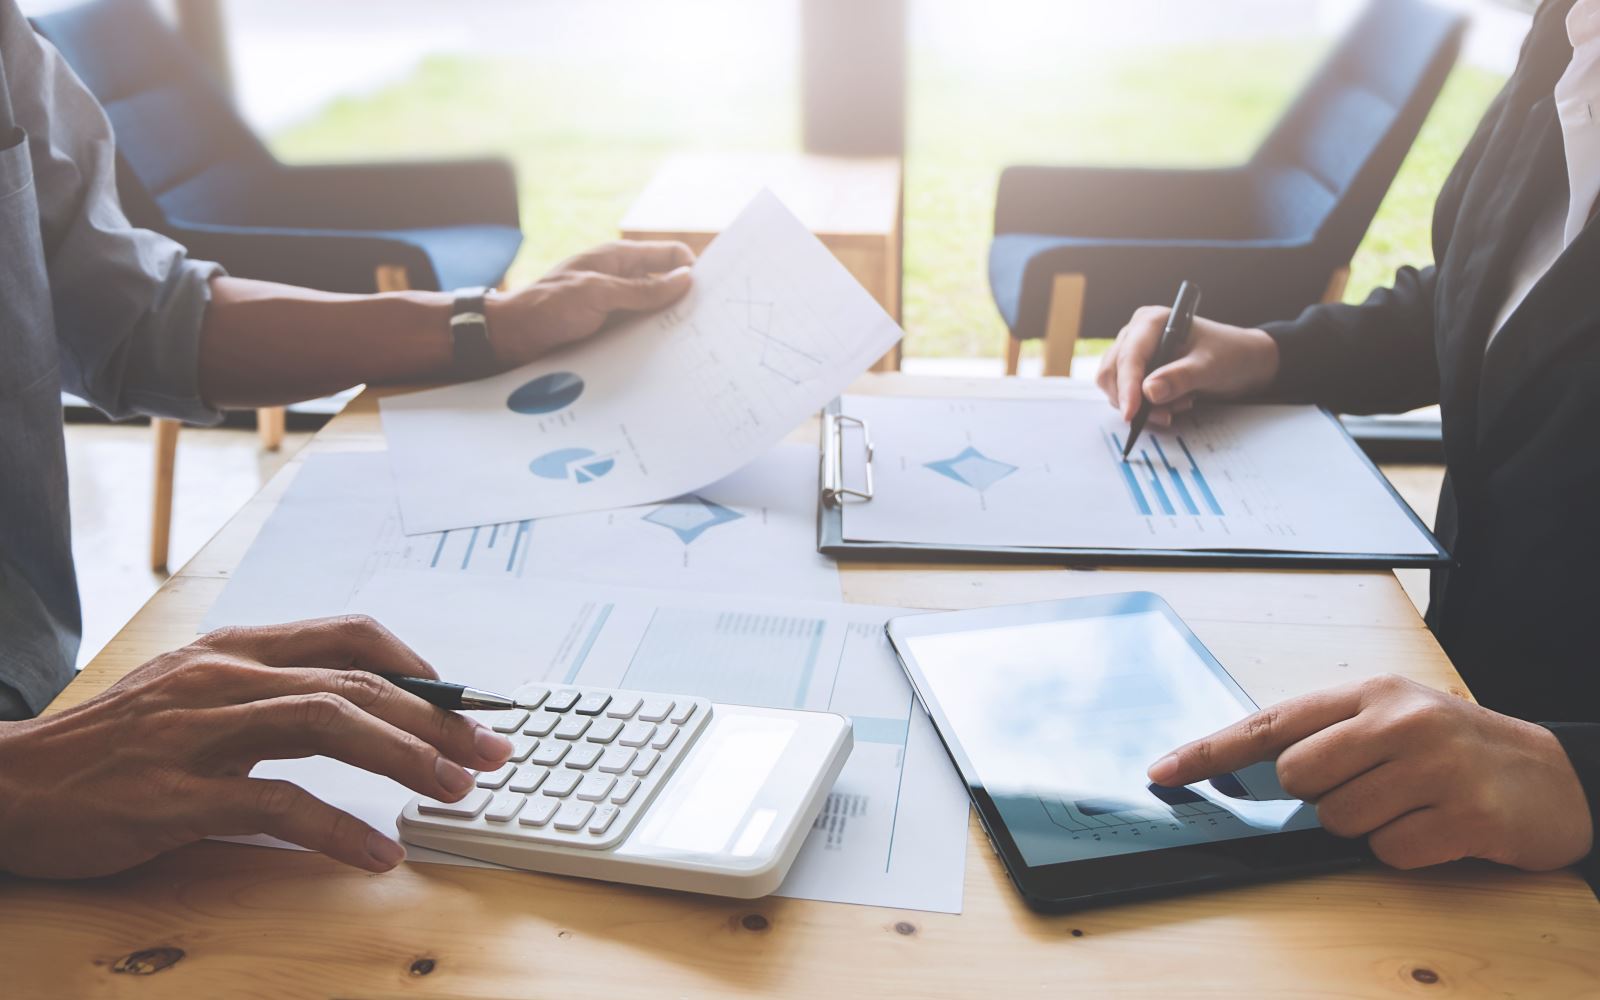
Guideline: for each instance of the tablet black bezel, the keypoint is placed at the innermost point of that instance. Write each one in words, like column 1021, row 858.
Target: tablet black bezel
column 1073, row 884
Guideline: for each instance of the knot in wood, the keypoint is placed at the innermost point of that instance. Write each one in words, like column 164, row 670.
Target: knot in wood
column 422, row 966
column 148, row 962
column 754, row 922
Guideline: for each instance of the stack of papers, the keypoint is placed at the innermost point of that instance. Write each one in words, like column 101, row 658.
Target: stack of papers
column 622, row 514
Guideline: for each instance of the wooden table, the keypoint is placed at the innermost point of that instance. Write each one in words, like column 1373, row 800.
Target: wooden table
column 852, row 204
column 220, row 919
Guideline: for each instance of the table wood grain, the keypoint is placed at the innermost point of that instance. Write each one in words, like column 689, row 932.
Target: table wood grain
column 226, row 920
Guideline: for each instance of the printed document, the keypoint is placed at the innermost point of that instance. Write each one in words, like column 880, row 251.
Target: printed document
column 773, row 328
column 1049, row 473
column 754, row 532
column 893, row 832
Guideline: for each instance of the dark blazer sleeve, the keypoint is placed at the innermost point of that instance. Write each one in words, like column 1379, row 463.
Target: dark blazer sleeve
column 1581, row 741
column 1377, row 357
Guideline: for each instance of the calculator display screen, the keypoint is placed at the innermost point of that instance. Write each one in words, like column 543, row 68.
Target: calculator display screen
column 1060, row 719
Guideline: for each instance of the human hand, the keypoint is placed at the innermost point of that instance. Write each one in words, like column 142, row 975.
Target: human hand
column 162, row 758
column 1427, row 777
column 1219, row 361
column 577, row 298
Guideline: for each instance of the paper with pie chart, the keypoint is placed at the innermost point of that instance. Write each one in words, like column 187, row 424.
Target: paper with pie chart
column 1049, row 473
column 773, row 328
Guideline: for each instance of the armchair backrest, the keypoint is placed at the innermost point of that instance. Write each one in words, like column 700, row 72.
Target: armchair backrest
column 175, row 127
column 1342, row 140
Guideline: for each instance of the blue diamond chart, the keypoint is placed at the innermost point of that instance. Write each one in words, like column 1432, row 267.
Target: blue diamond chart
column 546, row 394
column 578, row 465
column 972, row 468
column 690, row 517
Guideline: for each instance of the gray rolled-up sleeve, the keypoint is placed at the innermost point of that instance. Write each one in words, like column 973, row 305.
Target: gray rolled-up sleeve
column 129, row 303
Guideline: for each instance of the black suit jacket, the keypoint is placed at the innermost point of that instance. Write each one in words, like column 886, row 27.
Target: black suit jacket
column 1519, row 611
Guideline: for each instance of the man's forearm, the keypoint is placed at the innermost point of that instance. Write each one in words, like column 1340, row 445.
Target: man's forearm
column 266, row 344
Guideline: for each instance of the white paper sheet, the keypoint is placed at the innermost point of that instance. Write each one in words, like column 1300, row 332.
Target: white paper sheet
column 773, row 328
column 1050, row 473
column 752, row 533
column 892, row 833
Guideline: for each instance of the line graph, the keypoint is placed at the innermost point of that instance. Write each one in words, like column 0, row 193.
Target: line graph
column 778, row 356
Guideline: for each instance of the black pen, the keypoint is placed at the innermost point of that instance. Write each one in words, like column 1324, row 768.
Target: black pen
column 456, row 697
column 1173, row 337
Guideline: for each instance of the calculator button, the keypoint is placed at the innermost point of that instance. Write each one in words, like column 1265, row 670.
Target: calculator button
column 573, row 814
column 655, row 709
column 521, row 746
column 530, row 695
column 636, row 734
column 603, row 818
column 583, row 756
column 527, row 778
column 623, row 706
column 504, row 807
column 626, row 786
column 549, row 753
column 683, row 713
column 497, row 777
column 647, row 760
column 467, row 808
column 616, row 760
column 507, row 722
column 663, row 737
column 541, row 723
column 562, row 701
column 561, row 783
column 538, row 812
column 592, row 704
column 571, row 727
column 604, row 730
column 595, row 787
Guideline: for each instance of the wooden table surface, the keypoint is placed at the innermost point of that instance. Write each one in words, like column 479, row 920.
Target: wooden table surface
column 226, row 920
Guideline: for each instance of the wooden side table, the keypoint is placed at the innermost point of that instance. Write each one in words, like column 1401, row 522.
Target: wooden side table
column 852, row 204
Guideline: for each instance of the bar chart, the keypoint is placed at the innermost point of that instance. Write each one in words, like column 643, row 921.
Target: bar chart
column 1157, row 484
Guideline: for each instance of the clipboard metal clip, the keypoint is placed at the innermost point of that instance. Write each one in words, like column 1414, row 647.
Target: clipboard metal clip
column 834, row 490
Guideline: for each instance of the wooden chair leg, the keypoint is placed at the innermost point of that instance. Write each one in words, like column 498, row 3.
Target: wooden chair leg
column 270, row 425
column 1064, row 324
column 392, row 278
column 165, row 433
column 1013, row 354
column 1337, row 283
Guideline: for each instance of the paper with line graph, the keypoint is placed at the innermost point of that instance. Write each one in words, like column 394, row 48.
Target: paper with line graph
column 773, row 328
column 1049, row 473
column 893, row 832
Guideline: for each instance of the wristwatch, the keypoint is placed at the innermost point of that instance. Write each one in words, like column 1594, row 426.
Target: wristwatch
column 469, row 328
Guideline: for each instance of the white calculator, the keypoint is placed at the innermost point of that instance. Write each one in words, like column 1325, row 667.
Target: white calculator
column 669, row 791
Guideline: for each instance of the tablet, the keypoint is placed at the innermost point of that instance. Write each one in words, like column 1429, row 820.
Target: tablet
column 1053, row 711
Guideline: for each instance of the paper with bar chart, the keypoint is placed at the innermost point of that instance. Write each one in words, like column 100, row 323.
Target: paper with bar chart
column 1049, row 473
column 664, row 404
column 892, row 832
column 338, row 523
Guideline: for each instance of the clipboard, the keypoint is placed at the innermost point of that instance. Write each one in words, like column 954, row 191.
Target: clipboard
column 835, row 493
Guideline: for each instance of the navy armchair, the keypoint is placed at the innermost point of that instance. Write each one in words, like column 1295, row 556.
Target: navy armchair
column 189, row 167
column 1077, row 250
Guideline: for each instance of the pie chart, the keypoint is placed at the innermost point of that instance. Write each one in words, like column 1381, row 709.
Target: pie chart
column 546, row 394
column 579, row 465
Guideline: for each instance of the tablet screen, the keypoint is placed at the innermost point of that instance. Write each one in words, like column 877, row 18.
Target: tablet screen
column 1060, row 719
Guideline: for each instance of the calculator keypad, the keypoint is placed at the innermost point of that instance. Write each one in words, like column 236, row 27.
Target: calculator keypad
column 587, row 763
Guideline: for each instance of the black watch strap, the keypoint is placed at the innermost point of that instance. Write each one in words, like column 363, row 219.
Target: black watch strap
column 469, row 329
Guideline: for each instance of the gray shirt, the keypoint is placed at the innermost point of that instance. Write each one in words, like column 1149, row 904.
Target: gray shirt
column 88, row 304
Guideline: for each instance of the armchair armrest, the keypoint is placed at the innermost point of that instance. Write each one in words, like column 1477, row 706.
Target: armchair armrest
column 1116, row 203
column 1245, row 283
column 329, row 260
column 399, row 195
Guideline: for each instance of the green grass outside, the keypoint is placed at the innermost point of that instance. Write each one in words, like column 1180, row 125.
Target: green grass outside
column 585, row 143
